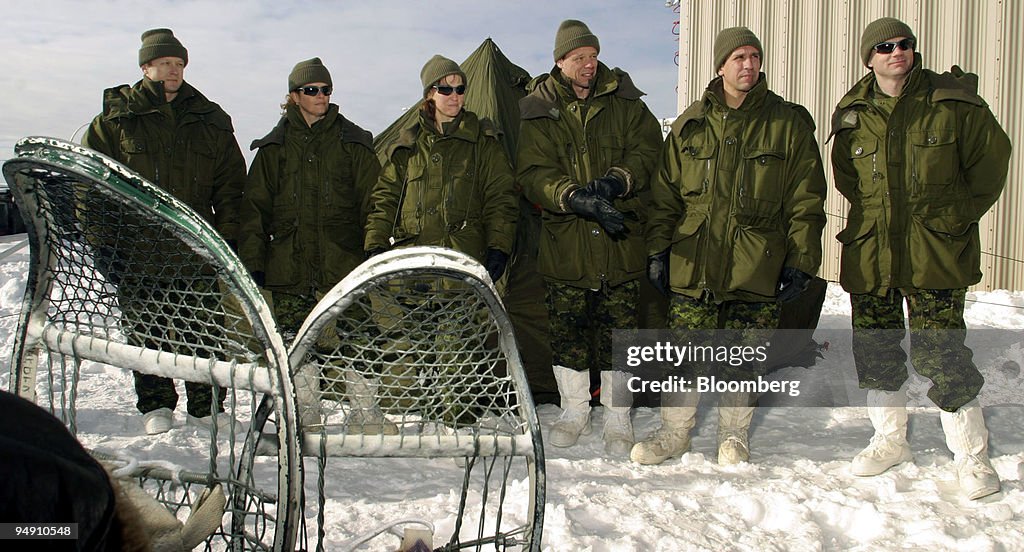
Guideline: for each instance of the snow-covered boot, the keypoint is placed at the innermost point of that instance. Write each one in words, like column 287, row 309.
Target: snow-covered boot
column 678, row 413
column 888, row 447
column 967, row 438
column 364, row 416
column 734, row 414
column 307, row 396
column 617, row 401
column 574, row 389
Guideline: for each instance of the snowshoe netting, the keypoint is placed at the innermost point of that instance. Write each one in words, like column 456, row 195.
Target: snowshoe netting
column 123, row 275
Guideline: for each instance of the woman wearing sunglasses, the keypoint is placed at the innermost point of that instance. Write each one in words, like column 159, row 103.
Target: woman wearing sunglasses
column 305, row 205
column 446, row 181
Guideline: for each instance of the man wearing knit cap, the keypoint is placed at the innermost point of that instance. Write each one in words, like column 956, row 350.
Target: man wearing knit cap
column 921, row 159
column 587, row 147
column 167, row 131
column 312, row 172
column 734, row 230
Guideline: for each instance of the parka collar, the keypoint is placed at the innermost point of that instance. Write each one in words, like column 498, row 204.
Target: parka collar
column 545, row 92
column 714, row 98
column 294, row 115
column 715, row 94
column 864, row 89
column 467, row 129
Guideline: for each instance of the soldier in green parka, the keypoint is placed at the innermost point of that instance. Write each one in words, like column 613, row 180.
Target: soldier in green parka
column 168, row 132
column 306, row 202
column 446, row 181
column 587, row 147
column 735, row 230
column 921, row 159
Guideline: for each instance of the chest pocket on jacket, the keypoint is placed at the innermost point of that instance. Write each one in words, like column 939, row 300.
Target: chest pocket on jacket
column 695, row 160
column 935, row 157
column 766, row 169
column 611, row 148
column 411, row 206
column 862, row 154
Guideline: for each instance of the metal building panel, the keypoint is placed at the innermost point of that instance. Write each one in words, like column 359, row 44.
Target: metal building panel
column 812, row 58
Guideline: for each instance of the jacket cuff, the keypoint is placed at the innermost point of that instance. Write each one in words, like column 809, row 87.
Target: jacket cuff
column 563, row 198
column 624, row 176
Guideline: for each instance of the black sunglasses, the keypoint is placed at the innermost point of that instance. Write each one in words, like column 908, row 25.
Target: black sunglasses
column 314, row 90
column 888, row 47
column 445, row 90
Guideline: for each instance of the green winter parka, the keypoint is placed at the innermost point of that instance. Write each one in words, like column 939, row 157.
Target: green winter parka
column 306, row 202
column 186, row 146
column 739, row 195
column 566, row 142
column 452, row 190
column 918, row 181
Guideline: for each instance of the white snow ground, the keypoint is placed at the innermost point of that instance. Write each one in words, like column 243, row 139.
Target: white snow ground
column 796, row 494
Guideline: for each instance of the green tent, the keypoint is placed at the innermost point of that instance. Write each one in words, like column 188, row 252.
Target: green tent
column 495, row 87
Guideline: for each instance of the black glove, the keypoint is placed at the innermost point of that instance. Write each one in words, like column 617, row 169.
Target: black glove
column 259, row 277
column 495, row 263
column 792, row 282
column 657, row 271
column 609, row 187
column 591, row 206
column 374, row 252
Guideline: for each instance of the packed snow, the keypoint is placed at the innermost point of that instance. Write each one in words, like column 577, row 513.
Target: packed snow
column 797, row 492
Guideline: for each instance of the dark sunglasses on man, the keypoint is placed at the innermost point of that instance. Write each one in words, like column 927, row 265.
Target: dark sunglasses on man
column 445, row 90
column 888, row 47
column 314, row 90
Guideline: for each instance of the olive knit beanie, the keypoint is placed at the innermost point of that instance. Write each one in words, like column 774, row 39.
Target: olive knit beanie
column 729, row 39
column 573, row 34
column 881, row 30
column 158, row 43
column 305, row 72
column 437, row 68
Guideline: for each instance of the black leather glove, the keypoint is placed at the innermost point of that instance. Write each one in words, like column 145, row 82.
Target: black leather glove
column 591, row 206
column 495, row 263
column 609, row 187
column 259, row 277
column 374, row 252
column 657, row 271
column 792, row 282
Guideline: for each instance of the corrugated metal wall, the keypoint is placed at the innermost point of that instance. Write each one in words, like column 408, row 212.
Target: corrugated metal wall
column 811, row 57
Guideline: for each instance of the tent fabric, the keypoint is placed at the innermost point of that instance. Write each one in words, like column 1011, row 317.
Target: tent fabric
column 495, row 87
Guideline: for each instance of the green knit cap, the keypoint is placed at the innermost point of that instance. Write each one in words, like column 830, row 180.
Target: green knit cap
column 734, row 37
column 881, row 30
column 305, row 72
column 437, row 68
column 158, row 43
column 573, row 34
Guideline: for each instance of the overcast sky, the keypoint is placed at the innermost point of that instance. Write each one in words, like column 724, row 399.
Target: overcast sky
column 59, row 55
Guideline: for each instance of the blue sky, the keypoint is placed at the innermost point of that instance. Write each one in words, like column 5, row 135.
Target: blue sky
column 59, row 55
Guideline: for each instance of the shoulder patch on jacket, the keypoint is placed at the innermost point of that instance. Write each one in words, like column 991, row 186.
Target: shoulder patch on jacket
column 275, row 136
column 355, row 134
column 489, row 128
column 405, row 139
column 626, row 89
column 842, row 119
column 956, row 85
column 802, row 112
column 115, row 101
column 695, row 112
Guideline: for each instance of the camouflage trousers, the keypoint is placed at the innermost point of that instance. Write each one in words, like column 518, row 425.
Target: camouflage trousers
column 181, row 316
column 937, row 335
column 582, row 320
column 728, row 324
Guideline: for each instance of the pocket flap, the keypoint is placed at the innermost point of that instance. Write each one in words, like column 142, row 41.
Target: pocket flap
column 863, row 148
column 946, row 224
column 856, row 229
